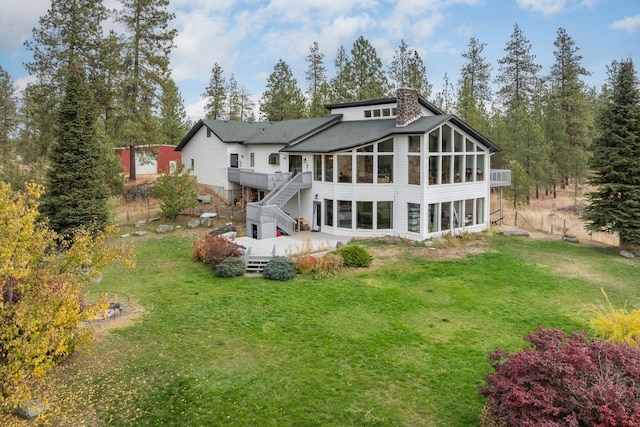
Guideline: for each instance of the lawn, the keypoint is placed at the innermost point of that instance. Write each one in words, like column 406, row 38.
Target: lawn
column 401, row 343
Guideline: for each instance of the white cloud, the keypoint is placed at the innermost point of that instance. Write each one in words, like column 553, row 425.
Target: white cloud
column 17, row 20
column 629, row 24
column 546, row 7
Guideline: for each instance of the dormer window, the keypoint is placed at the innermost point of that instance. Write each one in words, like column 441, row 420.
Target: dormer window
column 379, row 112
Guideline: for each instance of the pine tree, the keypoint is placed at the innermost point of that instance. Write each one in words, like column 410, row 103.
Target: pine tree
column 366, row 73
column 407, row 69
column 8, row 112
column 316, row 79
column 340, row 85
column 215, row 94
column 614, row 207
column 282, row 100
column 147, row 44
column 76, row 194
column 173, row 117
column 246, row 106
column 571, row 97
column 233, row 97
column 474, row 92
column 445, row 98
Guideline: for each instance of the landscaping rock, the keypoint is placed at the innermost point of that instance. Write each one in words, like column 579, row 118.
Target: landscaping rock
column 519, row 233
column 31, row 409
column 228, row 227
column 140, row 233
column 194, row 223
column 164, row 228
column 206, row 221
column 570, row 238
column 627, row 254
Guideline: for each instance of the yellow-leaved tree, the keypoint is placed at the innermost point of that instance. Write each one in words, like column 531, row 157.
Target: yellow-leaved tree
column 43, row 279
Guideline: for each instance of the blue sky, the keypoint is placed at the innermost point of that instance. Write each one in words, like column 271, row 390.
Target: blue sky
column 248, row 37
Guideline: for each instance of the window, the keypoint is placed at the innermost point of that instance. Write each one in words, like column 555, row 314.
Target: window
column 468, row 212
column 365, row 215
column 208, row 133
column 480, row 211
column 434, row 169
column 480, row 167
column 445, row 217
column 458, row 168
column 328, row 212
column 413, row 217
column 458, row 141
column 386, row 112
column 446, row 138
column 317, row 167
column 376, row 113
column 344, row 214
column 367, row 114
column 432, row 218
column 252, row 159
column 274, row 159
column 328, row 168
column 446, row 170
column 385, row 169
column 364, row 169
column 233, row 160
column 385, row 215
column 344, row 168
column 386, row 146
column 457, row 214
column 414, row 143
column 414, row 170
column 193, row 164
column 469, row 176
column 434, row 143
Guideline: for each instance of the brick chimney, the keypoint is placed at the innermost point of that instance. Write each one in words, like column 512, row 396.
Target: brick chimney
column 408, row 107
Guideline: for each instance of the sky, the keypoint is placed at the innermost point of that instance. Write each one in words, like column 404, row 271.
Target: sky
column 248, row 37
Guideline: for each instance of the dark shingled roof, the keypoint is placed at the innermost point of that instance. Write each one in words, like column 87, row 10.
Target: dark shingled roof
column 349, row 134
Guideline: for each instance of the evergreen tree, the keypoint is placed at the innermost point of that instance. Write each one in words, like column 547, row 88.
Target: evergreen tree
column 574, row 107
column 147, row 44
column 215, row 94
column 407, row 69
column 233, row 99
column 340, row 86
column 316, row 79
column 614, row 207
column 76, row 194
column 474, row 92
column 37, row 130
column 173, row 118
column 445, row 98
column 246, row 106
column 8, row 112
column 366, row 73
column 282, row 100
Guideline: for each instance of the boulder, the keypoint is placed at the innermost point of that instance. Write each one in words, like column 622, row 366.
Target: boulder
column 164, row 228
column 140, row 233
column 228, row 227
column 627, row 254
column 206, row 221
column 570, row 238
column 31, row 409
column 193, row 223
column 519, row 233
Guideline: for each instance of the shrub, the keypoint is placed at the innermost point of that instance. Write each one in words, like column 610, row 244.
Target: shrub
column 279, row 268
column 354, row 256
column 564, row 380
column 213, row 250
column 328, row 264
column 231, row 267
column 305, row 264
column 617, row 325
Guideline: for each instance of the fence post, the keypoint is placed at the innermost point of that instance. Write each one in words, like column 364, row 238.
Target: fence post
column 516, row 221
column 564, row 226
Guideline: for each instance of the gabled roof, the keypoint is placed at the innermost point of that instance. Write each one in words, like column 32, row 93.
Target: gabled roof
column 284, row 132
column 350, row 134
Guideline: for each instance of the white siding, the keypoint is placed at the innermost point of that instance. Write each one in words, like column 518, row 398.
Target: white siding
column 209, row 156
column 357, row 113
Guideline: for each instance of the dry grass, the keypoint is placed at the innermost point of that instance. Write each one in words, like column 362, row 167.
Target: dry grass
column 551, row 217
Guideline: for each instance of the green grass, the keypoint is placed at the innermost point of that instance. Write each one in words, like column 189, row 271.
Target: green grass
column 405, row 343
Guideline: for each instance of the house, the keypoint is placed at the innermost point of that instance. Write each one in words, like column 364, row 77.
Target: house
column 150, row 159
column 396, row 166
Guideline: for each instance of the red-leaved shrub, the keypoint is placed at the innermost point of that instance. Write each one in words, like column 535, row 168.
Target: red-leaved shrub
column 213, row 249
column 564, row 380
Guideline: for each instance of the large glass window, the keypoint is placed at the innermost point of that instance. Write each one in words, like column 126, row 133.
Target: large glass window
column 458, row 141
column 364, row 211
column 414, row 169
column 328, row 212
column 434, row 169
column 480, row 211
column 385, row 168
column 413, row 217
column 432, row 217
column 414, row 143
column 344, row 214
column 480, row 167
column 446, row 170
column 446, row 139
column 445, row 217
column 468, row 212
column 328, row 168
column 364, row 168
column 458, row 168
column 385, row 215
column 457, row 214
column 344, row 168
column 434, row 143
column 386, row 146
column 317, row 167
column 469, row 176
